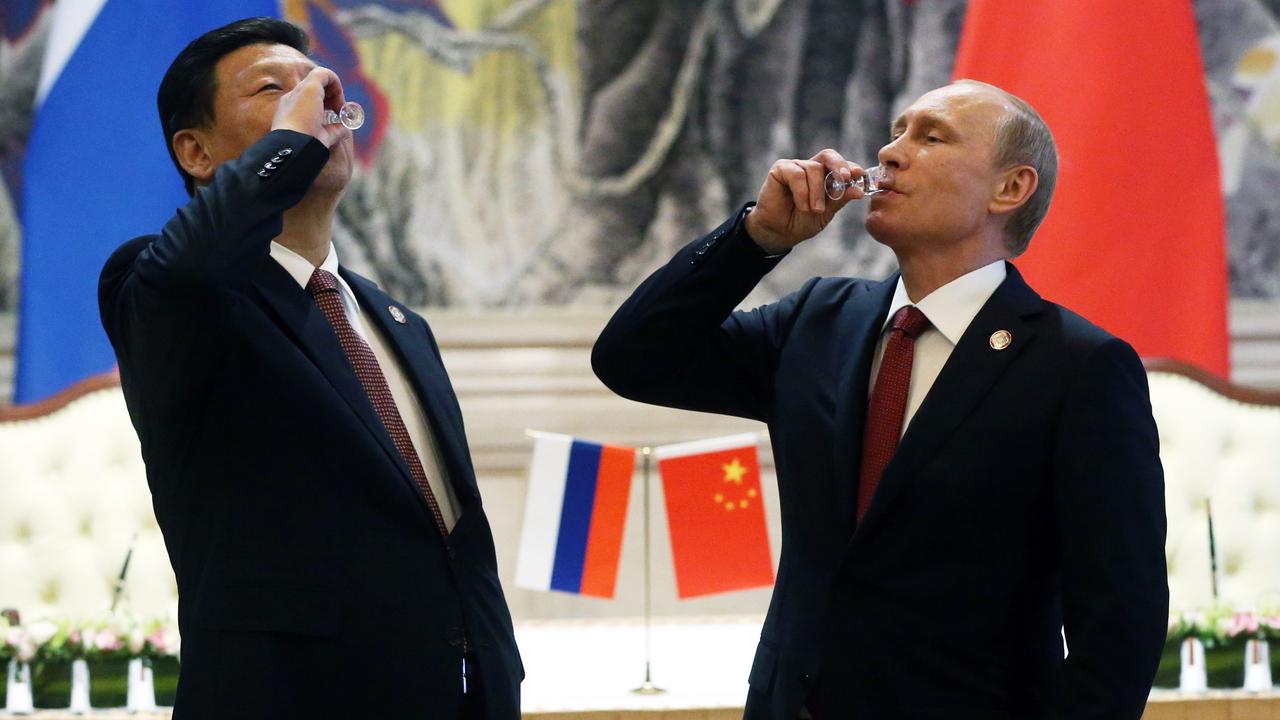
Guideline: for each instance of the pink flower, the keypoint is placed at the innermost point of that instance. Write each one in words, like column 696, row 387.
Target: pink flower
column 107, row 641
column 26, row 650
column 163, row 641
column 14, row 636
column 1242, row 623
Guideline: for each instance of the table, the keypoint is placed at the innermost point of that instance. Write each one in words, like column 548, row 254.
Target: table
column 585, row 670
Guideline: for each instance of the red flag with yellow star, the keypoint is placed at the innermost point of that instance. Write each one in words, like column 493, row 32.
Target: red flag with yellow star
column 715, row 514
column 1136, row 236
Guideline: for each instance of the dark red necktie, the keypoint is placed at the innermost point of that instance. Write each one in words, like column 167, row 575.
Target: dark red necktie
column 323, row 287
column 888, row 402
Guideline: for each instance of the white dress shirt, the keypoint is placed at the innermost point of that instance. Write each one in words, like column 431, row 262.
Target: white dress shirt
column 949, row 309
column 415, row 420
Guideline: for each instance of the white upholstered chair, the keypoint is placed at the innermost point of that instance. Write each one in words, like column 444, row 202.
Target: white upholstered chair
column 1219, row 443
column 73, row 495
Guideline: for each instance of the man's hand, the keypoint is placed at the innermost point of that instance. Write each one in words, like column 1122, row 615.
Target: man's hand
column 793, row 205
column 303, row 108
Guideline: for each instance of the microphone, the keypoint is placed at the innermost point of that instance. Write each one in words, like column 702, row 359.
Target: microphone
column 124, row 572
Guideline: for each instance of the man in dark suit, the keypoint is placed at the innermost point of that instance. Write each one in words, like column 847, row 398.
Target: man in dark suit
column 304, row 447
column 966, row 471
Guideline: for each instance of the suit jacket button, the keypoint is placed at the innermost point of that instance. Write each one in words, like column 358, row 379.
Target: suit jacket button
column 264, row 174
column 277, row 159
column 284, row 151
column 269, row 166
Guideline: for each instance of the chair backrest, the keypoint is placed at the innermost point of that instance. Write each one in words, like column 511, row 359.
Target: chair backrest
column 73, row 496
column 1220, row 445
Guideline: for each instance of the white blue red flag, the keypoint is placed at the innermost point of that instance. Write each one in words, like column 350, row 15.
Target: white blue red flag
column 575, row 512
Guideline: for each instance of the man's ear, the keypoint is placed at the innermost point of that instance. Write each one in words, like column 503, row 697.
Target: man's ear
column 1015, row 189
column 190, row 147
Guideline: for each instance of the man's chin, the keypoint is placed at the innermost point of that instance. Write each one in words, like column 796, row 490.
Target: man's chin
column 881, row 230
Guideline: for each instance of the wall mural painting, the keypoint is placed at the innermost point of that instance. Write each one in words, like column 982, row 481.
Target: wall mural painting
column 552, row 152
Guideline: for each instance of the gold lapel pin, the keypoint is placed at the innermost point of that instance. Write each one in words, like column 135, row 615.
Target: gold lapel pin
column 1000, row 339
column 399, row 317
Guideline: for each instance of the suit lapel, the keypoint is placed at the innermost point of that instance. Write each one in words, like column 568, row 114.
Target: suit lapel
column 974, row 366
column 861, row 320
column 412, row 346
column 301, row 317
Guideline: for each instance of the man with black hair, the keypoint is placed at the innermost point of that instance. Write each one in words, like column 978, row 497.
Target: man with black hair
column 305, row 450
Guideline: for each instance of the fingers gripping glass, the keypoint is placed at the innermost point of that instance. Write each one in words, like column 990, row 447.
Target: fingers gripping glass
column 351, row 115
column 869, row 182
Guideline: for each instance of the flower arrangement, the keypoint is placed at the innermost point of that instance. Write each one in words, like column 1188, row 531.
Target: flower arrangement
column 1221, row 626
column 65, row 640
column 1251, row 625
column 51, row 647
column 151, row 641
column 17, row 643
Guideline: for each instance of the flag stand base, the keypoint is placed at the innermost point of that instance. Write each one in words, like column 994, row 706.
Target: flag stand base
column 648, row 688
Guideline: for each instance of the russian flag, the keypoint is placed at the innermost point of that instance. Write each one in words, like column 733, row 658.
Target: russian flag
column 97, row 171
column 575, row 512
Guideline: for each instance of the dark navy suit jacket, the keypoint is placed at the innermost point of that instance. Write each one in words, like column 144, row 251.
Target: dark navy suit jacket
column 1026, row 494
column 312, row 580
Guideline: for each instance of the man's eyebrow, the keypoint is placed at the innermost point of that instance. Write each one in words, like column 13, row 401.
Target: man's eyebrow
column 928, row 119
column 266, row 66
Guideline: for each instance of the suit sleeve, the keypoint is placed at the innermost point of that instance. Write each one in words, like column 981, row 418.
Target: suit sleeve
column 1109, row 496
column 226, row 229
column 677, row 341
column 155, row 292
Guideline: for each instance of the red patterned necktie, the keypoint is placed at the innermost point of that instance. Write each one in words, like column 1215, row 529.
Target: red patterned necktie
column 323, row 287
column 888, row 402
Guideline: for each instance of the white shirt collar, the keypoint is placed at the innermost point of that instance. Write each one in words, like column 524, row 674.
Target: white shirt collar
column 953, row 306
column 300, row 268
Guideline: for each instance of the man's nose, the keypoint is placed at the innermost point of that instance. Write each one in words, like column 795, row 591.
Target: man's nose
column 892, row 156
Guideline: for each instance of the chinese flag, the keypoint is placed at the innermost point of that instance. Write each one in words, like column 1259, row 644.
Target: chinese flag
column 716, row 515
column 1135, row 239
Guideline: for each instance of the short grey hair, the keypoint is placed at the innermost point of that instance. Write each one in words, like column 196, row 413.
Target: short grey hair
column 1023, row 138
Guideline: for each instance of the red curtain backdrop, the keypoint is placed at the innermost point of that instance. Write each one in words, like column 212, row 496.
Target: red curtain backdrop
column 1135, row 239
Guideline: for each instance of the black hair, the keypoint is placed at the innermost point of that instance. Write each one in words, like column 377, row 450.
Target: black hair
column 186, row 95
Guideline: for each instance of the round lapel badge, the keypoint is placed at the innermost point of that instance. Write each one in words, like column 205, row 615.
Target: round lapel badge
column 397, row 314
column 1000, row 339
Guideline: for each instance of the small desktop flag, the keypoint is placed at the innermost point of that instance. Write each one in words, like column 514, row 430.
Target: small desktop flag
column 574, row 514
column 715, row 513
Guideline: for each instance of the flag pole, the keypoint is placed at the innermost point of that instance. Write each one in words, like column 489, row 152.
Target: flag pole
column 648, row 688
